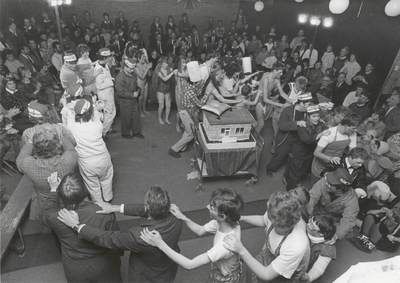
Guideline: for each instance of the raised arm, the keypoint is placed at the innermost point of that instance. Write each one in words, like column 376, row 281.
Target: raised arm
column 167, row 77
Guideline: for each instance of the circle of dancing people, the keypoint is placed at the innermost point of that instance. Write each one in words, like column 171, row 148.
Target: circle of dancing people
column 342, row 157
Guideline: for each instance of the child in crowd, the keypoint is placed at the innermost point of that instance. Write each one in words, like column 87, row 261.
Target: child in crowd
column 225, row 209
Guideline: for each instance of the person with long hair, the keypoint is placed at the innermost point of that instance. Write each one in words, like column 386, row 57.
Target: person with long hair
column 82, row 260
column 94, row 159
column 301, row 155
column 162, row 84
column 225, row 208
column 142, row 71
column 213, row 87
column 181, row 80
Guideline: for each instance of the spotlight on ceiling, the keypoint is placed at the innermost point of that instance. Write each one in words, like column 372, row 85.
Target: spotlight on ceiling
column 328, row 22
column 303, row 18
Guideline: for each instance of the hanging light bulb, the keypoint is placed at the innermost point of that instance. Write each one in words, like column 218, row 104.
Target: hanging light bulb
column 299, row 1
column 392, row 8
column 338, row 6
column 259, row 6
column 68, row 2
column 53, row 3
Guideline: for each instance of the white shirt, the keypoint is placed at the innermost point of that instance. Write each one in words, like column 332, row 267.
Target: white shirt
column 225, row 260
column 336, row 136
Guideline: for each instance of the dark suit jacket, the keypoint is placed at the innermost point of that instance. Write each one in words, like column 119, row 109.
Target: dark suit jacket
column 123, row 24
column 27, row 63
column 392, row 122
column 74, row 248
column 154, row 45
column 153, row 28
column 146, row 263
column 339, row 93
column 16, row 41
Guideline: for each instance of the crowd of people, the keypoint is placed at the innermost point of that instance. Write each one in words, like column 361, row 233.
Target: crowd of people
column 342, row 155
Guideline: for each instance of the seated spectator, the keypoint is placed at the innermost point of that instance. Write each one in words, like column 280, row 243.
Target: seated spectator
column 340, row 90
column 44, row 154
column 9, row 136
column 320, row 228
column 327, row 59
column 48, row 84
column 331, row 148
column 351, row 68
column 379, row 230
column 30, row 89
column 378, row 165
column 56, row 59
column 361, row 107
column 340, row 61
column 392, row 116
column 11, row 98
column 225, row 208
column 353, row 162
column 377, row 195
column 11, row 63
column 40, row 116
column 146, row 263
column 106, row 23
column 323, row 90
column 366, row 76
column 29, row 31
column 77, row 254
column 352, row 96
column 26, row 59
column 34, row 51
column 315, row 75
column 269, row 61
column 262, row 55
column 298, row 72
column 311, row 54
column 374, row 123
column 333, row 195
column 45, row 51
column 286, row 252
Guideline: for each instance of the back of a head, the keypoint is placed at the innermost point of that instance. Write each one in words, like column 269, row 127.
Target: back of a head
column 284, row 210
column 359, row 152
column 326, row 225
column 301, row 194
column 228, row 203
column 46, row 143
column 72, row 191
column 157, row 202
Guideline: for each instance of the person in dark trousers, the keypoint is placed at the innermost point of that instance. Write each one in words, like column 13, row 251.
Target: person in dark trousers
column 83, row 261
column 128, row 93
column 291, row 117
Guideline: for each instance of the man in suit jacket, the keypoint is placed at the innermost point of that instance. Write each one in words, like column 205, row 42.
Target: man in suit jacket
column 14, row 36
column 392, row 116
column 34, row 51
column 146, row 263
column 340, row 90
column 205, row 46
column 77, row 253
column 122, row 23
column 26, row 58
column 159, row 45
column 156, row 26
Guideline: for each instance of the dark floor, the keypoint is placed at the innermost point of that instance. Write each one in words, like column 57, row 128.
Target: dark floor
column 139, row 164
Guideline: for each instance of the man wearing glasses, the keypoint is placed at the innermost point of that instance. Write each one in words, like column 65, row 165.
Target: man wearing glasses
column 332, row 195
